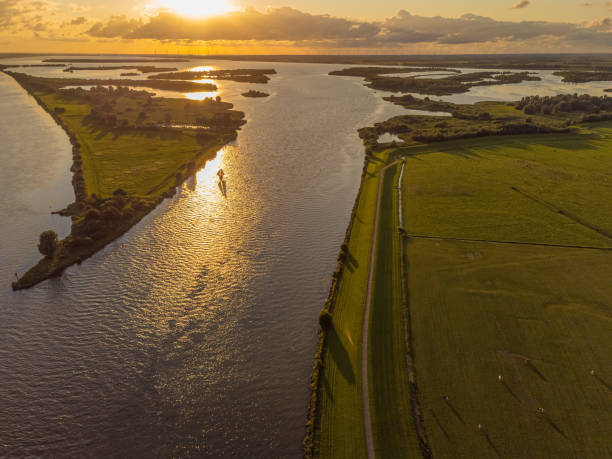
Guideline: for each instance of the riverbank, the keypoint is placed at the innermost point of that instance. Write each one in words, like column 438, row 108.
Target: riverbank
column 114, row 189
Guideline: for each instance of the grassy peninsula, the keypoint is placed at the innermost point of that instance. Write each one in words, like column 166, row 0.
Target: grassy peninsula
column 130, row 150
column 488, row 286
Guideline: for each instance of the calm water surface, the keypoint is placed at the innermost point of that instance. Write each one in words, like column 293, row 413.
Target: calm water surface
column 192, row 335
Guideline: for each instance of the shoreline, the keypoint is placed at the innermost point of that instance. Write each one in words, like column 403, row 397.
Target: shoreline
column 72, row 251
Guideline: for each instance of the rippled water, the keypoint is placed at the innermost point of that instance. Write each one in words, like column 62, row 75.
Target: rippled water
column 192, row 335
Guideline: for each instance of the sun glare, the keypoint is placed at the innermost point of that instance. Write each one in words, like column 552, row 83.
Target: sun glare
column 197, row 8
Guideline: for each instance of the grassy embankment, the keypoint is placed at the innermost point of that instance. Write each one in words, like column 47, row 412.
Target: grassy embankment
column 531, row 189
column 339, row 425
column 124, row 162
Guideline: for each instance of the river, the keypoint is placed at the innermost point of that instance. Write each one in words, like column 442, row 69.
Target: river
column 194, row 334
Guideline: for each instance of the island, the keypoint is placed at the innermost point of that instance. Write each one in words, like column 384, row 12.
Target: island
column 239, row 75
column 113, row 61
column 253, row 93
column 474, row 274
column 130, row 151
column 140, row 68
column 576, row 76
column 379, row 78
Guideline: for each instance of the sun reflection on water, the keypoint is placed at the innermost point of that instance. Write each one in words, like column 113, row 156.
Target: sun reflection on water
column 202, row 68
column 200, row 95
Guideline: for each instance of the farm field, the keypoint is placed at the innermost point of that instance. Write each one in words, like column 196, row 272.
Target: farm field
column 511, row 341
column 538, row 317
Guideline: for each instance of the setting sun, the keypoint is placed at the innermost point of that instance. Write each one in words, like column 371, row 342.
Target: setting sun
column 197, row 8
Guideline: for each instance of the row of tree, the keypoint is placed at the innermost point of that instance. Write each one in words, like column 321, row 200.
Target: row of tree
column 564, row 103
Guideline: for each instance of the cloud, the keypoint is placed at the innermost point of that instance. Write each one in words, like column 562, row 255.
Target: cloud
column 286, row 24
column 290, row 25
column 602, row 24
column 115, row 26
column 520, row 4
column 78, row 21
column 18, row 14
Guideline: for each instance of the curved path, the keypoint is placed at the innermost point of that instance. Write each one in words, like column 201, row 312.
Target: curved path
column 365, row 391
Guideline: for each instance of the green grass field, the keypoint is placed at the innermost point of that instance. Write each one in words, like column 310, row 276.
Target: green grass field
column 541, row 318
column 494, row 292
column 141, row 162
column 468, row 188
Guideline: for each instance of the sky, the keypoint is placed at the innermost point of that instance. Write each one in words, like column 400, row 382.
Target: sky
column 305, row 26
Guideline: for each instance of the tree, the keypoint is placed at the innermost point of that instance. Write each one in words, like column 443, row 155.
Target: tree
column 325, row 320
column 48, row 243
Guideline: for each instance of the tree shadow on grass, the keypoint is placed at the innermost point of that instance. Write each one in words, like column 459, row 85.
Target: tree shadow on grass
column 351, row 262
column 340, row 355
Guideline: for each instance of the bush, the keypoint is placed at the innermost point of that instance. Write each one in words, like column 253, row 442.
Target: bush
column 326, row 320
column 128, row 213
column 93, row 214
column 111, row 214
column 83, row 241
column 48, row 243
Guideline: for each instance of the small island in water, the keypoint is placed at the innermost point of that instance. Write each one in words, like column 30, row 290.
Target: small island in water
column 253, row 93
